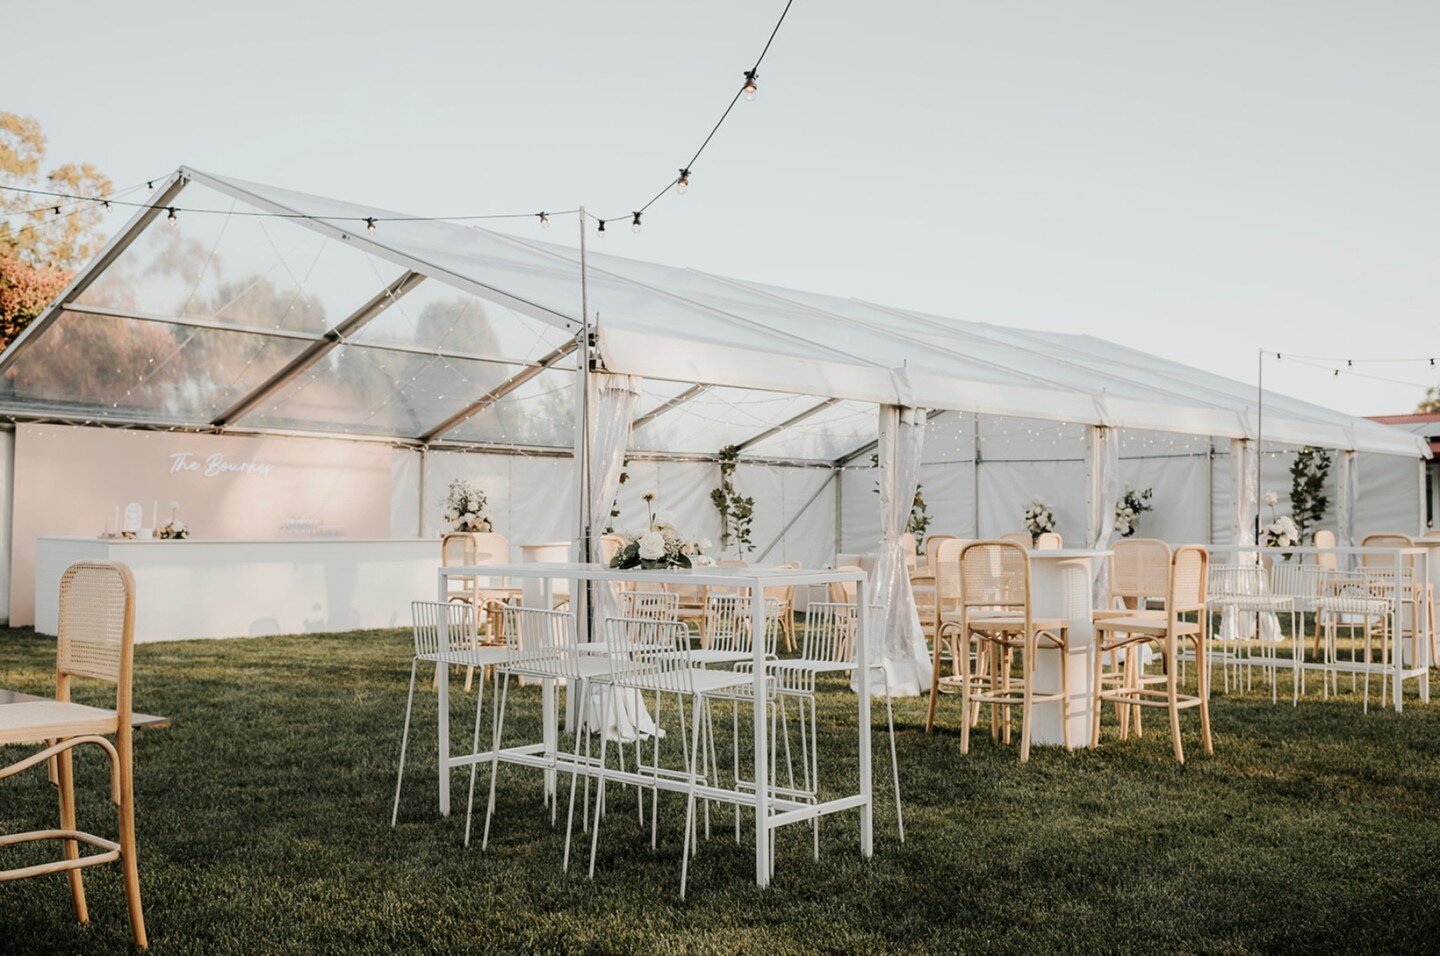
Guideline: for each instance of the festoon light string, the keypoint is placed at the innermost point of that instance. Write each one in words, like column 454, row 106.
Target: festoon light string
column 680, row 183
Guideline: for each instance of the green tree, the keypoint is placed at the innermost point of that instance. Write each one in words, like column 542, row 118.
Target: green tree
column 42, row 240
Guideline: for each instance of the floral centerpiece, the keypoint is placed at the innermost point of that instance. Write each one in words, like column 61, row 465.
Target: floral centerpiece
column 660, row 546
column 1129, row 509
column 1281, row 532
column 1038, row 518
column 466, row 506
column 174, row 529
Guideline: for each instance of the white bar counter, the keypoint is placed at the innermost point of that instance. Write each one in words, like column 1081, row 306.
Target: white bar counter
column 205, row 589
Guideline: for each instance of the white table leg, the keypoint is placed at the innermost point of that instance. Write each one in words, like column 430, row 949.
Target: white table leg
column 862, row 667
column 1063, row 588
column 762, row 755
column 443, row 702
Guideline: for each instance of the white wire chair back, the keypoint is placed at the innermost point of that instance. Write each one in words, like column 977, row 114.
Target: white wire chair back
column 650, row 605
column 1388, row 574
column 830, row 631
column 1238, row 585
column 441, row 626
column 727, row 623
column 541, row 638
column 1354, row 592
column 649, row 654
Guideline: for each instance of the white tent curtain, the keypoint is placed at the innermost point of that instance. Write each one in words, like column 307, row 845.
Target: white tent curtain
column 1244, row 466
column 1102, row 471
column 1347, row 484
column 611, row 400
column 902, row 651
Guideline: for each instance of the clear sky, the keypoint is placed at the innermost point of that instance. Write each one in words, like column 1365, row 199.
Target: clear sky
column 1195, row 179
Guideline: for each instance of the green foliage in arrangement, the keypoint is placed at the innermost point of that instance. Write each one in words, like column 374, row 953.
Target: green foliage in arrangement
column 737, row 511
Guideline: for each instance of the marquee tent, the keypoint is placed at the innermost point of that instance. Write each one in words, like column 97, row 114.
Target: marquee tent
column 256, row 309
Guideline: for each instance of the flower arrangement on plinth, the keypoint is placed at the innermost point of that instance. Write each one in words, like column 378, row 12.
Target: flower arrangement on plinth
column 1039, row 519
column 1129, row 509
column 466, row 507
column 173, row 529
column 660, row 546
column 1281, row 532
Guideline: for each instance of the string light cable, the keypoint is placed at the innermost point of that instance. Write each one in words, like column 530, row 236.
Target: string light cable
column 679, row 183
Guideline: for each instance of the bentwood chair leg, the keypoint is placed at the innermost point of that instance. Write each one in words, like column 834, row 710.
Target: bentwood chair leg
column 129, row 864
column 1202, row 678
column 1065, row 692
column 1097, row 701
column 1027, row 710
column 965, row 691
column 65, row 782
column 934, row 686
column 1171, row 683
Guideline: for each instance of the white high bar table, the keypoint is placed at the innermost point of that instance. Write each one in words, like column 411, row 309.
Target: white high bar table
column 755, row 580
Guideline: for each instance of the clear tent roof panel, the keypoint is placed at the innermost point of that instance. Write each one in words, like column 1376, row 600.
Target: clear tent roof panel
column 541, row 411
column 827, row 435
column 719, row 417
column 247, row 270
column 104, row 367
column 377, row 392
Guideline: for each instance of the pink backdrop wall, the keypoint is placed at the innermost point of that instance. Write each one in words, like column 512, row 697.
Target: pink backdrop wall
column 68, row 481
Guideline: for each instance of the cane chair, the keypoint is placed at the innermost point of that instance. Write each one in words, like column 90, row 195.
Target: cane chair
column 96, row 640
column 910, row 549
column 655, row 657
column 997, row 613
column 1187, row 591
column 1413, row 592
column 477, row 549
column 1049, row 541
column 944, row 623
column 443, row 634
column 1019, row 537
column 843, row 592
column 1138, row 581
column 784, row 594
column 1325, row 561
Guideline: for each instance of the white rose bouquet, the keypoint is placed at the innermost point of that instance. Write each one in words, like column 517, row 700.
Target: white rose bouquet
column 466, row 507
column 174, row 529
column 1281, row 532
column 659, row 546
column 1038, row 518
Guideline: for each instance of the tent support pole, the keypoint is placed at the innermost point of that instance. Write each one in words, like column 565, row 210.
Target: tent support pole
column 975, row 475
column 420, row 505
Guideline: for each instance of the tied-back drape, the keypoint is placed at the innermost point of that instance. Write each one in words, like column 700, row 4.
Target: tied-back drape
column 1347, row 484
column 901, row 649
column 1102, row 472
column 1244, row 467
column 612, row 400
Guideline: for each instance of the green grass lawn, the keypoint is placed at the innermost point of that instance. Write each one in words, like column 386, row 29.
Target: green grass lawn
column 264, row 827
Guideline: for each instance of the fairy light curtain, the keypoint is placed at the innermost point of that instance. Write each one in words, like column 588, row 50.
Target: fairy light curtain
column 902, row 650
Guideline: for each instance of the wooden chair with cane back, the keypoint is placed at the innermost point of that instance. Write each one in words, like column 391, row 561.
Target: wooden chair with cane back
column 922, row 584
column 1325, row 561
column 1186, row 596
column 96, row 640
column 785, row 595
column 1138, row 583
column 945, row 618
column 1049, row 541
column 997, row 612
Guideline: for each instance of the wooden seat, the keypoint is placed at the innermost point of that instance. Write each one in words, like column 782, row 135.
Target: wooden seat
column 1185, row 595
column 996, row 613
column 96, row 640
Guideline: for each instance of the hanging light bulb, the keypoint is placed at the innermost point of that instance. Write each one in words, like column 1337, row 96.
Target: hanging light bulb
column 749, row 89
column 172, row 219
column 544, row 221
column 683, row 183
column 370, row 225
column 57, row 210
column 600, row 233
column 635, row 223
